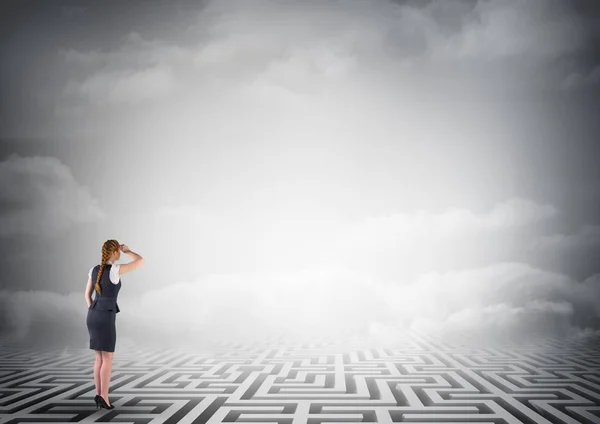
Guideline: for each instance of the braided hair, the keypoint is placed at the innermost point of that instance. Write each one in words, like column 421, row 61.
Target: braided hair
column 108, row 248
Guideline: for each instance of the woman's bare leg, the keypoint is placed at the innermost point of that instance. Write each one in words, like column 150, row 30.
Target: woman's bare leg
column 97, row 365
column 105, row 370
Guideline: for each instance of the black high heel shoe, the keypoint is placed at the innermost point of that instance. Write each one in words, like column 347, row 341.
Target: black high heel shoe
column 104, row 404
column 97, row 401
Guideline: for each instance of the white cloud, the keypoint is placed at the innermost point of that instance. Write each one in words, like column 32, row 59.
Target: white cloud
column 397, row 246
column 495, row 303
column 501, row 301
column 41, row 197
column 455, row 222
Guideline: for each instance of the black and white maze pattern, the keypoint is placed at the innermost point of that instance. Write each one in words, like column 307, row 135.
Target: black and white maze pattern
column 421, row 382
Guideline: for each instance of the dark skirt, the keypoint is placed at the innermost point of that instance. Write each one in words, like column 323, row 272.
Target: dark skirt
column 102, row 329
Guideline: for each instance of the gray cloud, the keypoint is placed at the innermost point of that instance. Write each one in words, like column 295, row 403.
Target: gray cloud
column 72, row 11
column 587, row 236
column 578, row 80
column 231, row 44
column 40, row 197
column 127, row 86
column 535, row 30
column 140, row 70
column 443, row 30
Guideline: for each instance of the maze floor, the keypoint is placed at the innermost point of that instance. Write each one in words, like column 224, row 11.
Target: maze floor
column 421, row 382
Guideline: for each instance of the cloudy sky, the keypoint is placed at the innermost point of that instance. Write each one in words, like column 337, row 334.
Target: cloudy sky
column 314, row 168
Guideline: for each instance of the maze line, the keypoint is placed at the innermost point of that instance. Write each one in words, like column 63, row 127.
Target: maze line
column 425, row 381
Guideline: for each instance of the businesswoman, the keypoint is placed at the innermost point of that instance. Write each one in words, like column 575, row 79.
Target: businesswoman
column 102, row 312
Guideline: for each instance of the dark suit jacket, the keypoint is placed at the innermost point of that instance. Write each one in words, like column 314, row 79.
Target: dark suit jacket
column 107, row 301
